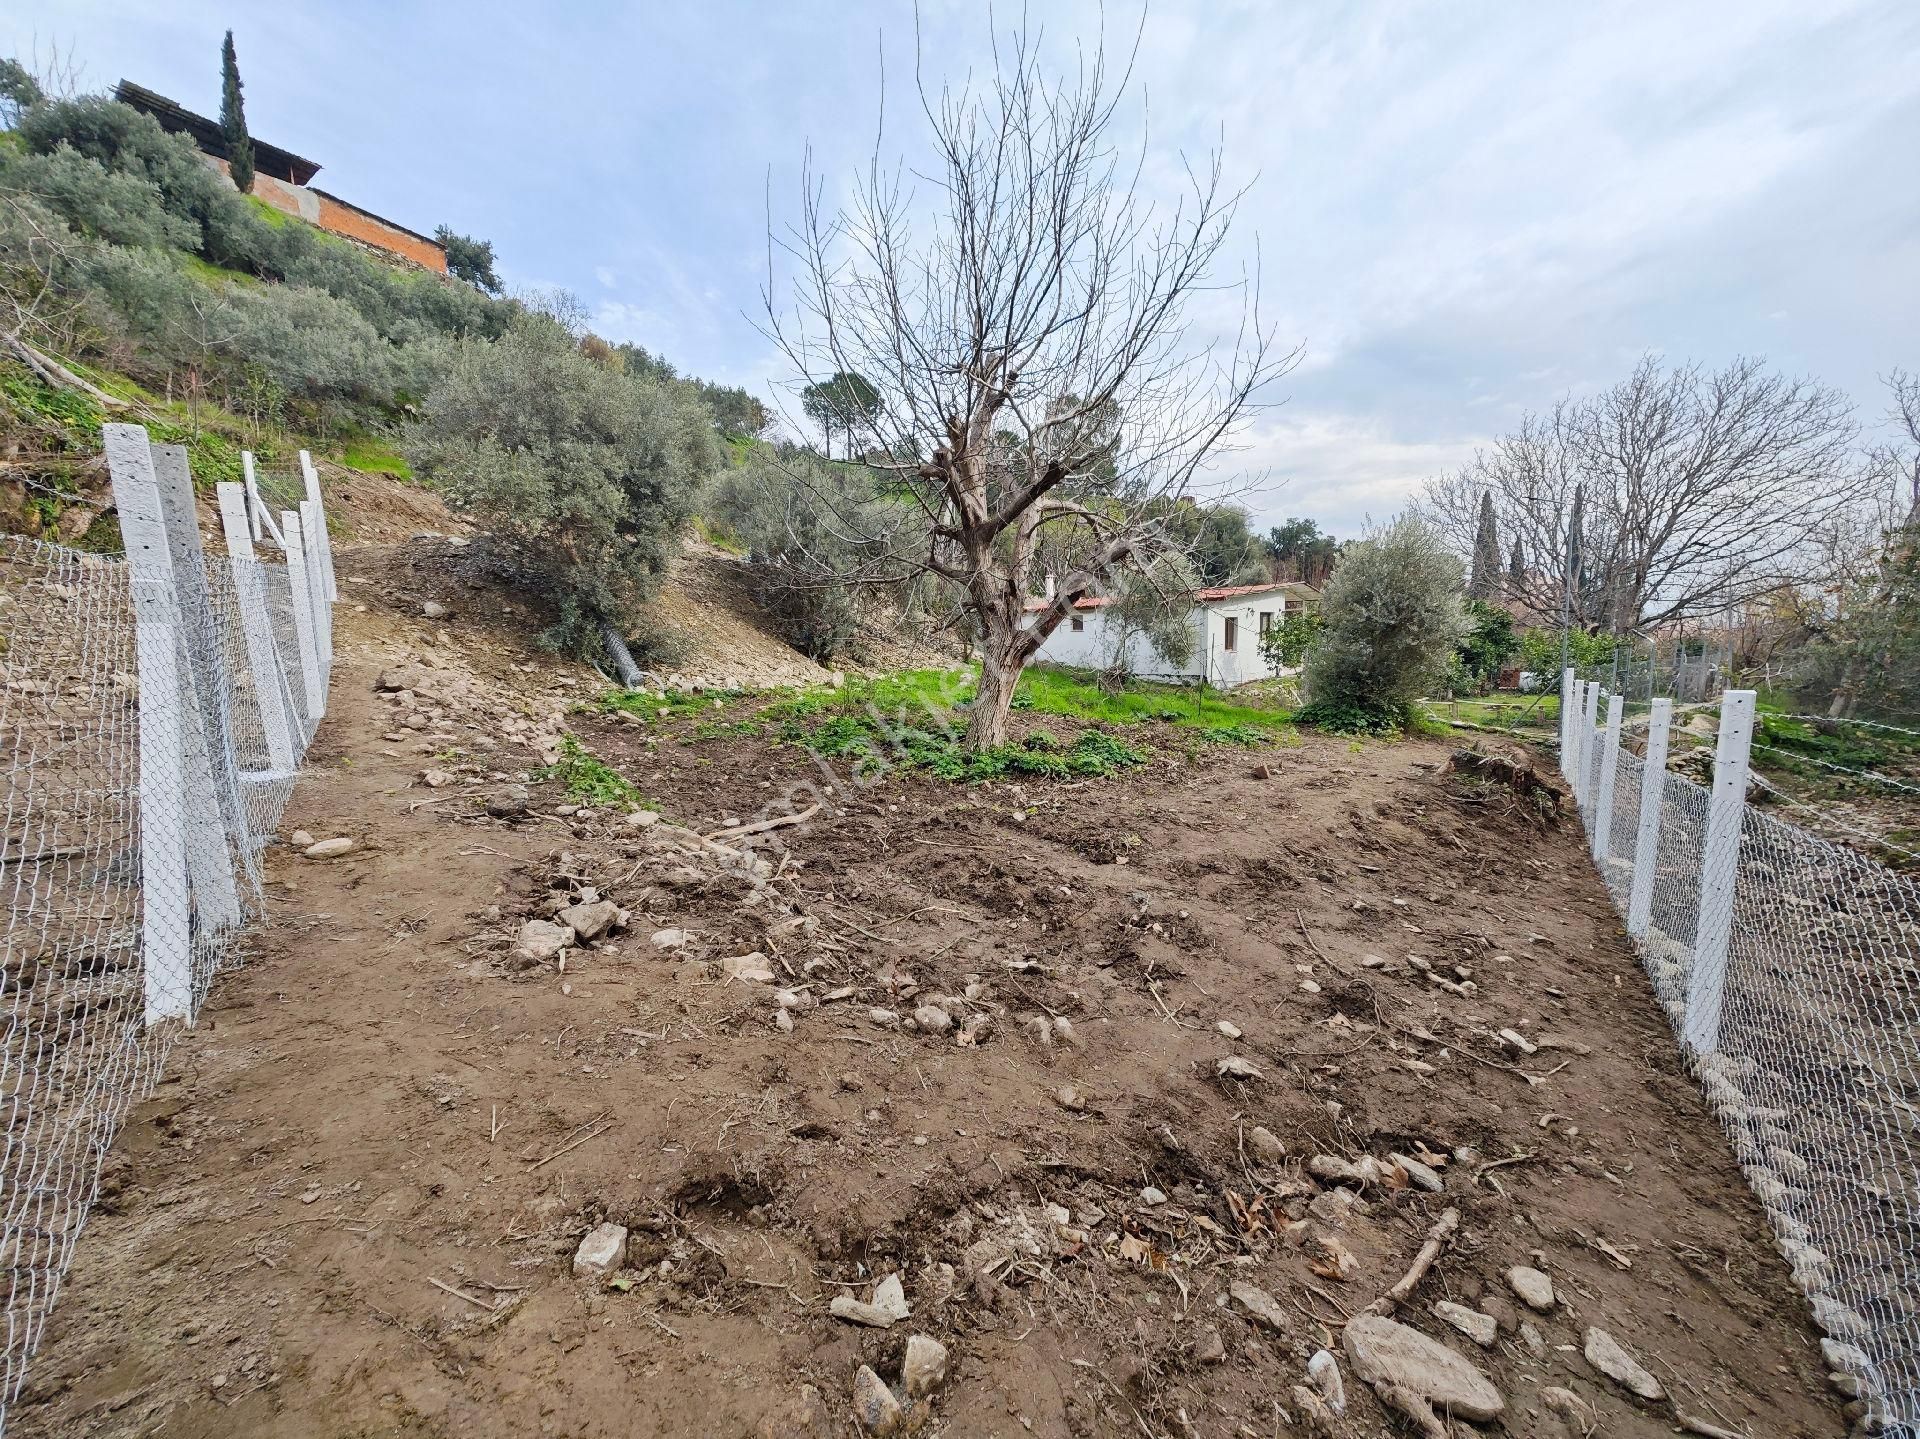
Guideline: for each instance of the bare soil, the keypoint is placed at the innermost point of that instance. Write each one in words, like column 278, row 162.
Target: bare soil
column 351, row 1208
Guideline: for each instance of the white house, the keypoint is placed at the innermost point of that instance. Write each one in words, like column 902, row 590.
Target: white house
column 1228, row 622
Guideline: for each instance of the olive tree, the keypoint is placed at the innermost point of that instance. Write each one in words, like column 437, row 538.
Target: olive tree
column 1038, row 294
column 586, row 471
column 1391, row 617
column 805, row 560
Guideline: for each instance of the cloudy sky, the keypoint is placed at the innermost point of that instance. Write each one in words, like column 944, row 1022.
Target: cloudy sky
column 1462, row 211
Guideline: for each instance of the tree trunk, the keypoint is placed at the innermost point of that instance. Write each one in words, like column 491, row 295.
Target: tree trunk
column 987, row 719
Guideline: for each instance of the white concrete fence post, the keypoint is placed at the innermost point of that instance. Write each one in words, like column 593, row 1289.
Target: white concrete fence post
column 305, row 620
column 1567, row 684
column 313, row 551
column 166, row 925
column 250, row 587
column 1589, row 725
column 324, row 540
column 215, row 814
column 1719, row 872
column 1646, row 845
column 1609, row 770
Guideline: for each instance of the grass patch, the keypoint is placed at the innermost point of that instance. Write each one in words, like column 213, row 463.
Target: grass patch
column 373, row 455
column 673, row 705
column 1075, row 694
column 719, row 536
column 591, row 780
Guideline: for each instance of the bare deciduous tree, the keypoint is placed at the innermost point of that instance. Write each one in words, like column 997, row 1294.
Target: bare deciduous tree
column 1043, row 297
column 1703, row 490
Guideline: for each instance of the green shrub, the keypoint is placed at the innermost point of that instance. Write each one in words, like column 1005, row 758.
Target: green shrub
column 1393, row 618
column 587, row 473
column 799, row 517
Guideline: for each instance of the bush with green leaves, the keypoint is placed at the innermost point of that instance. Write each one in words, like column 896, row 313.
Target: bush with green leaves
column 801, row 519
column 1393, row 618
column 98, row 203
column 1285, row 646
column 1540, row 650
column 1487, row 646
column 586, row 471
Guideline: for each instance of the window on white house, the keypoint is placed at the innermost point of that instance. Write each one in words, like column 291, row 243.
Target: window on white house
column 1266, row 621
column 1233, row 633
column 1078, row 624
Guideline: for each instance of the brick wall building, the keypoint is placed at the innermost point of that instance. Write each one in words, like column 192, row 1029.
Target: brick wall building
column 280, row 179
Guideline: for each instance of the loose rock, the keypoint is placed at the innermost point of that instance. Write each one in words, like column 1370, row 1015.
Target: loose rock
column 670, row 938
column 601, row 1251
column 1482, row 1329
column 874, row 1407
column 1211, row 1349
column 541, row 940
column 508, row 803
column 1324, row 1370
column 933, row 1019
column 590, row 921
column 1604, row 1353
column 1389, row 1354
column 329, row 848
column 890, row 1296
column 1266, row 1145
column 1533, row 1287
column 1421, row 1176
column 925, row 1366
column 1260, row 1304
column 856, row 1311
column 748, row 968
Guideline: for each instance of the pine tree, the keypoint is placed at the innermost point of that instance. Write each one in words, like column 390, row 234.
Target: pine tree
column 233, row 119
column 1517, row 569
column 1485, row 581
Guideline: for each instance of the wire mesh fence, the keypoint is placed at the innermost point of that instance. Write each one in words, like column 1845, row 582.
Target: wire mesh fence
column 149, row 734
column 1790, row 968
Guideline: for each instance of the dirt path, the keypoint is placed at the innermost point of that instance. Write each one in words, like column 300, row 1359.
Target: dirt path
column 352, row 1207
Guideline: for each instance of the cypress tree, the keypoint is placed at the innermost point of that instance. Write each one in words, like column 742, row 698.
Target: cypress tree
column 1485, row 581
column 1517, row 569
column 233, row 119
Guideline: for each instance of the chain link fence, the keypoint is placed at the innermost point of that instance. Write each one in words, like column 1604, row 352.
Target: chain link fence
column 153, row 710
column 1789, row 967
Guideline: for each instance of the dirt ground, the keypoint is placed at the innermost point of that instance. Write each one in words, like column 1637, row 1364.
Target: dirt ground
column 352, row 1207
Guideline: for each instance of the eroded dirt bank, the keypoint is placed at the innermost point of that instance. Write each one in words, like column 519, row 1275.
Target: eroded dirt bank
column 354, row 1205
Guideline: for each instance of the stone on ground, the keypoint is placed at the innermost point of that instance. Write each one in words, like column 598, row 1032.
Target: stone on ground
column 924, row 1366
column 590, row 921
column 601, row 1251
column 1533, row 1287
column 890, row 1296
column 856, row 1311
column 748, row 968
column 1260, row 1304
column 1605, row 1354
column 542, row 939
column 1384, row 1352
column 1482, row 1329
column 1266, row 1145
column 329, row 848
column 874, row 1407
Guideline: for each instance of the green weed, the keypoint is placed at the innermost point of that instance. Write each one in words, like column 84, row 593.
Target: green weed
column 589, row 779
